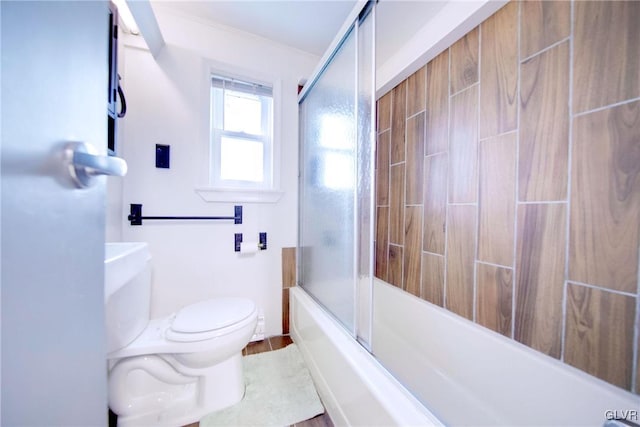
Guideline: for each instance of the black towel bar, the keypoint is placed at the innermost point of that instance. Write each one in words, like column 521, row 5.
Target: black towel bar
column 135, row 216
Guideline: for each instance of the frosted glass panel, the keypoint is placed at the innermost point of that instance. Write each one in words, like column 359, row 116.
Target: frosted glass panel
column 328, row 165
column 365, row 174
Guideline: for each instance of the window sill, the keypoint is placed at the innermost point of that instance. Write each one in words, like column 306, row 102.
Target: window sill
column 235, row 195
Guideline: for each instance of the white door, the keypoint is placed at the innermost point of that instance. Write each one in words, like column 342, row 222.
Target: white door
column 54, row 90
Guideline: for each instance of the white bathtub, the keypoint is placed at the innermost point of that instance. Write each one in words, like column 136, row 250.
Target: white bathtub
column 462, row 373
column 354, row 387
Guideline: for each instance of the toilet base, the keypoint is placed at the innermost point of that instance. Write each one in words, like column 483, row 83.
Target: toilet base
column 211, row 389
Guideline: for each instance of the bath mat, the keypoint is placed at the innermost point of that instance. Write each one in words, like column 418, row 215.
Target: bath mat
column 279, row 392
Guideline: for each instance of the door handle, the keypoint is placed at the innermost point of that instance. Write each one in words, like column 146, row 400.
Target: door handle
column 123, row 101
column 84, row 164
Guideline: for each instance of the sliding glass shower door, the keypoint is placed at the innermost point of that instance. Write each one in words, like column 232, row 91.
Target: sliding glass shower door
column 336, row 175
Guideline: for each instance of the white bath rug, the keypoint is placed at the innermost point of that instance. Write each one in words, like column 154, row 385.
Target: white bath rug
column 279, row 392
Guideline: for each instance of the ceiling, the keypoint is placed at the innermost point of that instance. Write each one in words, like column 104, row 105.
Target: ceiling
column 307, row 25
column 399, row 20
column 311, row 25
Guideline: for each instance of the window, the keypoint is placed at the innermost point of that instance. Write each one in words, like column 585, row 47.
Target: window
column 241, row 134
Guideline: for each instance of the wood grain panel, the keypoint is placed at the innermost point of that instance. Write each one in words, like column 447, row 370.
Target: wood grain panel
column 257, row 347
column 288, row 267
column 497, row 199
column 412, row 249
column 415, row 159
column 544, row 126
column 464, row 61
column 494, row 297
column 460, row 258
column 285, row 311
column 463, row 147
column 279, row 341
column 499, row 77
column 382, row 242
column 396, row 205
column 606, row 62
column 637, row 390
column 382, row 168
column 435, row 203
column 605, row 198
column 433, row 278
column 599, row 335
column 384, row 112
column 394, row 274
column 322, row 420
column 437, row 139
column 540, row 263
column 398, row 121
column 543, row 23
column 416, row 91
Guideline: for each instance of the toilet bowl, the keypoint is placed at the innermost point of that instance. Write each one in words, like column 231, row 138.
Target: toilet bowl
column 178, row 368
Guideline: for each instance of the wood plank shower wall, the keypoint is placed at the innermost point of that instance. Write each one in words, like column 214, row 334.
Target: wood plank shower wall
column 508, row 181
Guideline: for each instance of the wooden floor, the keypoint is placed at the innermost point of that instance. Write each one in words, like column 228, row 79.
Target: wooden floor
column 276, row 343
column 271, row 343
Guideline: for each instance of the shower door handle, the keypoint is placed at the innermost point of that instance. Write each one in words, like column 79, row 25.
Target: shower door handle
column 84, row 164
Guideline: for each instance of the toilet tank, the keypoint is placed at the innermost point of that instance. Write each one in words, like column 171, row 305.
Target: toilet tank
column 127, row 292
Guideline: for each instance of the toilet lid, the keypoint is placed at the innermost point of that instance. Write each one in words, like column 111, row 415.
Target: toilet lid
column 212, row 314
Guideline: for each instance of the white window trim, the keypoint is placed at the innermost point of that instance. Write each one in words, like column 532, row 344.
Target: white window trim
column 230, row 195
column 221, row 194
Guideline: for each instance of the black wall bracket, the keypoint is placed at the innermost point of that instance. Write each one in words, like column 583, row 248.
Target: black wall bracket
column 262, row 243
column 238, row 239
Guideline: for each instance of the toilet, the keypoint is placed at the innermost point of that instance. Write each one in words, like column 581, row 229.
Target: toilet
column 173, row 370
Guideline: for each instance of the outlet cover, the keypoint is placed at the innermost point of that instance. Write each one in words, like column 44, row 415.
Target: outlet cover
column 162, row 156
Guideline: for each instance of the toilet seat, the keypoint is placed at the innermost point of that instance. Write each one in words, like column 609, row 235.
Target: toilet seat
column 208, row 319
column 158, row 337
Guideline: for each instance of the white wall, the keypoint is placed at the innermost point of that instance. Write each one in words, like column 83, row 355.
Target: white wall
column 167, row 101
column 450, row 23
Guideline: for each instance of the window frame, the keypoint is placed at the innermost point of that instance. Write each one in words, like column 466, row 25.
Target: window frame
column 202, row 185
column 216, row 133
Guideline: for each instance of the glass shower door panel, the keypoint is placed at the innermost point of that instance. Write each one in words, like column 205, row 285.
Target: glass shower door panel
column 328, row 186
column 366, row 167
